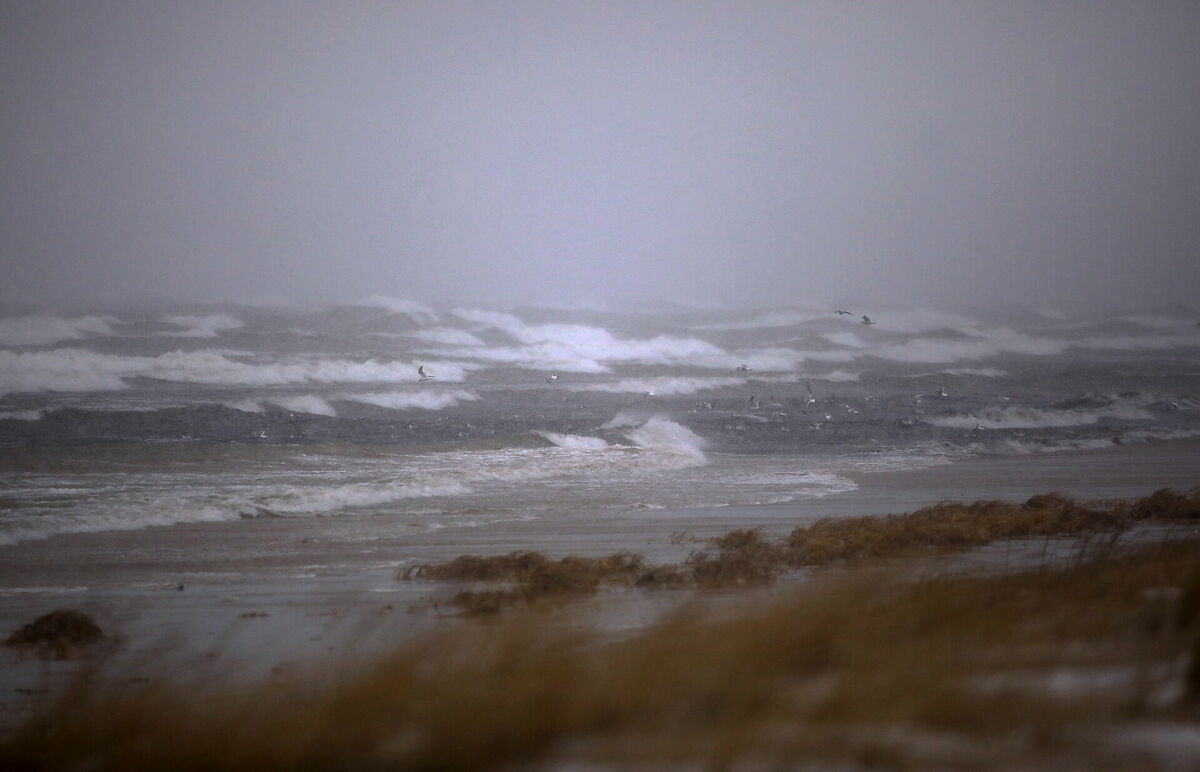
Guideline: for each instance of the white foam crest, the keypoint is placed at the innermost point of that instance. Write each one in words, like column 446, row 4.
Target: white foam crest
column 775, row 359
column 837, row 376
column 1188, row 339
column 127, row 517
column 418, row 312
column 337, row 497
column 1148, row 435
column 60, row 370
column 573, row 441
column 660, row 386
column 201, row 326
column 81, row 370
column 41, row 330
column 918, row 320
column 1018, row 417
column 791, row 485
column 22, row 415
column 544, row 356
column 938, row 351
column 1025, row 448
column 769, row 359
column 846, row 338
column 661, row 434
column 980, row 372
column 247, row 406
column 135, row 512
column 305, row 403
column 424, row 399
column 625, row 418
column 581, row 344
column 446, row 335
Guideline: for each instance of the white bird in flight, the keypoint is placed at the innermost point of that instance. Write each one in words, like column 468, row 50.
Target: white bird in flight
column 422, row 375
column 867, row 320
column 843, row 312
column 551, row 378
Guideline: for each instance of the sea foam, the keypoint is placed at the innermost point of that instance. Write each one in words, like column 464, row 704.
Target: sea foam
column 200, row 326
column 41, row 330
column 573, row 441
column 1018, row 417
column 70, row 369
column 425, row 400
column 665, row 435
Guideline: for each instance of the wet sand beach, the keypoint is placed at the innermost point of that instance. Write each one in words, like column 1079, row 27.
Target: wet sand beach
column 272, row 588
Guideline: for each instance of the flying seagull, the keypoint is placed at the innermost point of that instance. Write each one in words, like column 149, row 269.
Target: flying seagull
column 422, row 375
column 843, row 312
column 743, row 368
column 811, row 399
column 867, row 320
column 551, row 378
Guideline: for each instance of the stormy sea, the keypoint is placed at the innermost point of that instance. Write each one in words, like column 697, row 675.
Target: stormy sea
column 390, row 417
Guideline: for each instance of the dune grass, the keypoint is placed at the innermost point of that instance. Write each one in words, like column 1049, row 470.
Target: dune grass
column 870, row 668
column 749, row 557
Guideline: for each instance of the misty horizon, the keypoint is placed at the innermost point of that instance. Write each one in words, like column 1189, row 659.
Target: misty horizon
column 602, row 155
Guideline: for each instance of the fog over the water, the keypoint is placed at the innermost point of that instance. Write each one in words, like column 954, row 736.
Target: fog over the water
column 601, row 153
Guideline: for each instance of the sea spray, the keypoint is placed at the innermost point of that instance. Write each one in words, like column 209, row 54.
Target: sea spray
column 666, row 435
column 573, row 441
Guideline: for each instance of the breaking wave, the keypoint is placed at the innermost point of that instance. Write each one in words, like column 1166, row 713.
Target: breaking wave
column 446, row 336
column 81, row 370
column 306, row 403
column 41, row 330
column 626, row 418
column 1018, row 417
column 980, row 372
column 22, row 415
column 425, row 400
column 145, row 509
column 578, row 348
column 316, row 500
column 837, row 376
column 418, row 312
column 662, row 385
column 665, row 435
column 788, row 318
column 573, row 441
column 998, row 341
column 201, row 326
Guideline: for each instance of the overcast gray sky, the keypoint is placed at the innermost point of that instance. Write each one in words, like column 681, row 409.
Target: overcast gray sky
column 925, row 152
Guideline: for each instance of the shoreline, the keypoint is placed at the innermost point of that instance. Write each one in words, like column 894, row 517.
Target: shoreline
column 314, row 597
column 313, row 547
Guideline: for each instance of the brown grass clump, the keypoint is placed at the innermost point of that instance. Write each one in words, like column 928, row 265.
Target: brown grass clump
column 60, row 632
column 1168, row 504
column 533, row 576
column 748, row 556
column 866, row 670
column 744, row 556
column 946, row 525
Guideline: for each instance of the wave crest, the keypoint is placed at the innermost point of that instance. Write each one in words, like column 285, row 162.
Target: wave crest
column 42, row 330
column 573, row 441
column 665, row 435
column 201, row 326
column 425, row 400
